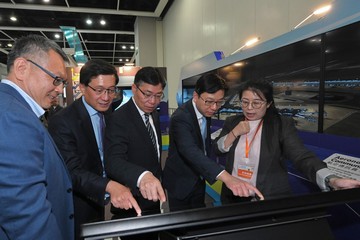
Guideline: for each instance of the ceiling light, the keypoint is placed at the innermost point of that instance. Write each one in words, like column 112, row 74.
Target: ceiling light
column 126, row 60
column 89, row 21
column 322, row 10
column 123, row 47
column 132, row 47
column 102, row 22
column 57, row 35
column 249, row 43
column 46, row 1
column 14, row 19
column 9, row 45
column 120, row 60
column 316, row 12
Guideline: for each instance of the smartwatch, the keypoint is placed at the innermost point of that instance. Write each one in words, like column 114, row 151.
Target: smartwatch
column 327, row 181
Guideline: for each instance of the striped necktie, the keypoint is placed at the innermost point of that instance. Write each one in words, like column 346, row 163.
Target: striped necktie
column 151, row 131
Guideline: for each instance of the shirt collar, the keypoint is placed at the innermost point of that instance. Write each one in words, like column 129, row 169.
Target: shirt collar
column 198, row 114
column 141, row 112
column 89, row 108
column 35, row 107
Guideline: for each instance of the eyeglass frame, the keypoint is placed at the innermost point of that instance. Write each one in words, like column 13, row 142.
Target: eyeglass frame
column 149, row 96
column 57, row 80
column 100, row 92
column 210, row 103
column 262, row 102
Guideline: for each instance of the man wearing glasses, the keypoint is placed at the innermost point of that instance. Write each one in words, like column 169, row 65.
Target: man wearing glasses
column 78, row 132
column 36, row 198
column 188, row 165
column 133, row 152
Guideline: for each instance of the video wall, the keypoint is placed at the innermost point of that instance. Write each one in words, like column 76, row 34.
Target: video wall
column 316, row 81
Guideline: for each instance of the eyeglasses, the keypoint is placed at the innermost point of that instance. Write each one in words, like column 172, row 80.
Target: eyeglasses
column 57, row 80
column 254, row 104
column 210, row 103
column 148, row 96
column 100, row 91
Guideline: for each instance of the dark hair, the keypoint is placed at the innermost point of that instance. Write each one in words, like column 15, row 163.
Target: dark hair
column 262, row 88
column 94, row 68
column 32, row 46
column 210, row 83
column 149, row 75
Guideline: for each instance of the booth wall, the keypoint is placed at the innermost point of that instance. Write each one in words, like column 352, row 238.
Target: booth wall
column 193, row 29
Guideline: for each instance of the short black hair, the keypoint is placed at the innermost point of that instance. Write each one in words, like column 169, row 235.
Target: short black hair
column 32, row 46
column 149, row 75
column 210, row 83
column 94, row 68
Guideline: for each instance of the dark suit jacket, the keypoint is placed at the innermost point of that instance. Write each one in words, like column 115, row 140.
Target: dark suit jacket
column 36, row 199
column 129, row 150
column 74, row 135
column 186, row 163
column 279, row 142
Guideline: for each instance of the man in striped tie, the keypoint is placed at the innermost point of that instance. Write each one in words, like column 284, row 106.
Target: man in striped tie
column 133, row 149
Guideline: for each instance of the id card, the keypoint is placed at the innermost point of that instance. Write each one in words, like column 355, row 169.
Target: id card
column 245, row 169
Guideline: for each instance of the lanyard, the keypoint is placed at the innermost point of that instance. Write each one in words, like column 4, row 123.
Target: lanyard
column 247, row 146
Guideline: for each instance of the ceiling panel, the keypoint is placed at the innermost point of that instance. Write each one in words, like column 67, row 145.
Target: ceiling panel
column 110, row 42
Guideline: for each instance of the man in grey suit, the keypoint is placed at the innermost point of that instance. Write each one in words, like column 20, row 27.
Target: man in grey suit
column 36, row 192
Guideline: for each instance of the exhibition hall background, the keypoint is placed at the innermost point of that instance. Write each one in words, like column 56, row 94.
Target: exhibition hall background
column 193, row 29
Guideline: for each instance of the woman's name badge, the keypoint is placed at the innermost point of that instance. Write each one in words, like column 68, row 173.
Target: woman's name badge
column 245, row 170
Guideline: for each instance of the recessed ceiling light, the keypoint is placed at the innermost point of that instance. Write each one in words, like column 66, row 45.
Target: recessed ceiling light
column 102, row 22
column 46, row 1
column 89, row 21
column 132, row 47
column 9, row 45
column 126, row 60
column 57, row 35
column 120, row 60
column 14, row 19
column 123, row 47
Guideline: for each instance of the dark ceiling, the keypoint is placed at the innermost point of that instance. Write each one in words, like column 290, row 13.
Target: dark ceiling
column 98, row 41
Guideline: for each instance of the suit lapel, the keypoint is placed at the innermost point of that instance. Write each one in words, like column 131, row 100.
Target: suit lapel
column 266, row 154
column 190, row 108
column 84, row 121
column 137, row 119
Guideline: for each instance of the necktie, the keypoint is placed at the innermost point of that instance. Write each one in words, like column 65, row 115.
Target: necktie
column 151, row 131
column 203, row 129
column 101, row 139
column 43, row 120
column 101, row 130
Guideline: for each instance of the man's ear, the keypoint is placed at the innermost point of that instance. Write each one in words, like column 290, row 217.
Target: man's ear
column 21, row 69
column 195, row 95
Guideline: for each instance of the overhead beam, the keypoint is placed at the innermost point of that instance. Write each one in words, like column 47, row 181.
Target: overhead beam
column 33, row 29
column 39, row 7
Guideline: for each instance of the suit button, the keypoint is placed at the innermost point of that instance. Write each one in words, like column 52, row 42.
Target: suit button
column 69, row 190
column 71, row 216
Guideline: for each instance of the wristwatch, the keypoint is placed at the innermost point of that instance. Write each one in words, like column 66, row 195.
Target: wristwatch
column 327, row 181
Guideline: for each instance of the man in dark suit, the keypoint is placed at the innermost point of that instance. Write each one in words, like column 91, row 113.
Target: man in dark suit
column 188, row 165
column 77, row 131
column 55, row 107
column 36, row 198
column 132, row 155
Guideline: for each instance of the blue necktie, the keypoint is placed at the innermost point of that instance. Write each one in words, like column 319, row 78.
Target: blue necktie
column 203, row 130
column 102, row 130
column 101, row 139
